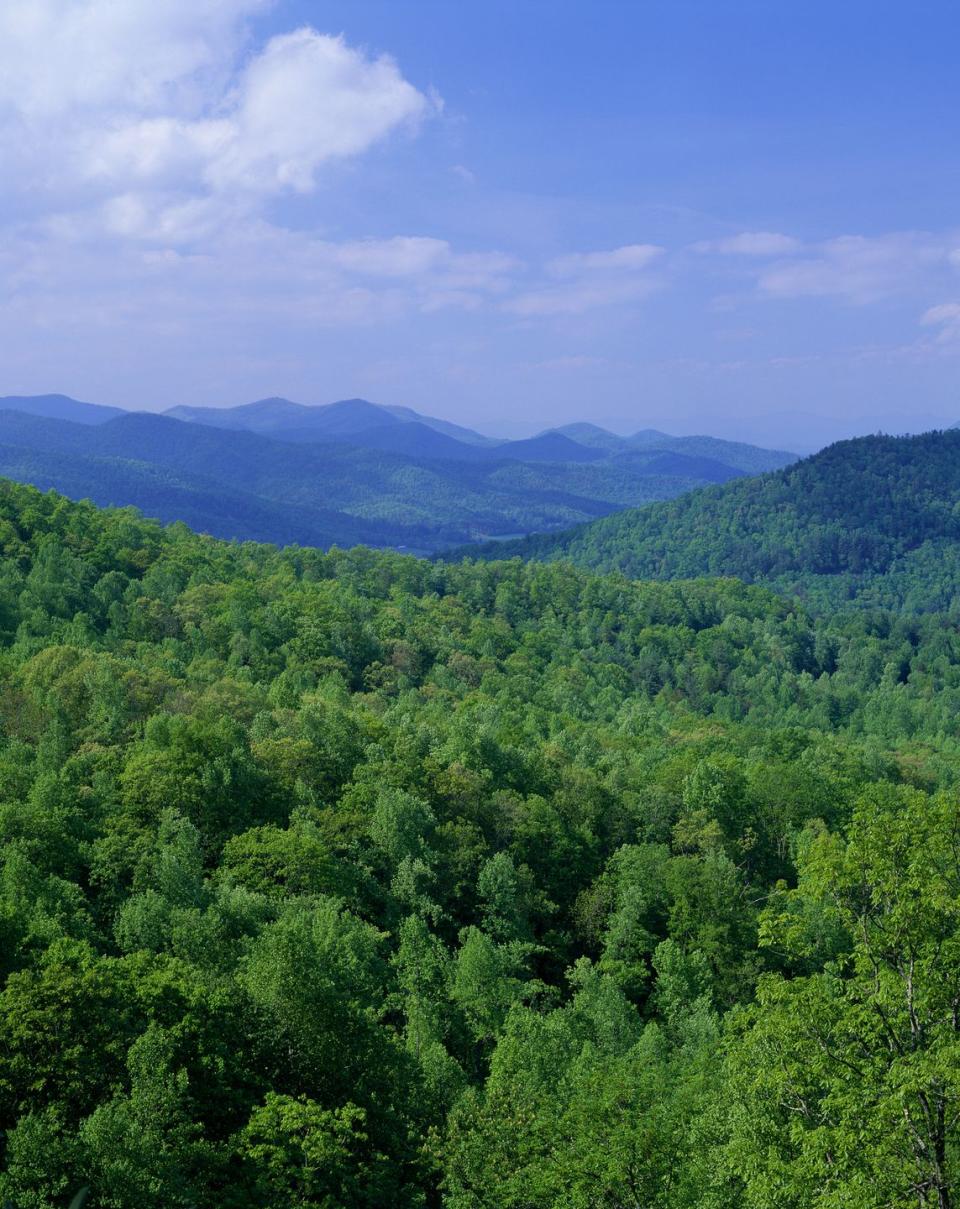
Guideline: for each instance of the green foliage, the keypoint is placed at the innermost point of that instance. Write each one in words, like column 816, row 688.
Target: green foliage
column 846, row 1081
column 306, row 1155
column 875, row 521
column 348, row 879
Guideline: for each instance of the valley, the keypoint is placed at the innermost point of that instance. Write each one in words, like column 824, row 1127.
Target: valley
column 347, row 473
column 872, row 523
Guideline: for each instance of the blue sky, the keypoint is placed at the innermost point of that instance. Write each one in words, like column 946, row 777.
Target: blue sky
column 737, row 217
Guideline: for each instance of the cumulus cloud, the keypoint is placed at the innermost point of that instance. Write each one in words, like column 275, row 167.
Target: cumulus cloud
column 79, row 57
column 143, row 143
column 102, row 100
column 308, row 98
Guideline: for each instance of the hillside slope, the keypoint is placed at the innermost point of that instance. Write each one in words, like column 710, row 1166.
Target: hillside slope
column 749, row 459
column 875, row 519
column 401, row 484
column 354, row 880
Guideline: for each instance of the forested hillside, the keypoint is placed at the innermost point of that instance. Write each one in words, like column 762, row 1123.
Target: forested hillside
column 874, row 520
column 352, row 880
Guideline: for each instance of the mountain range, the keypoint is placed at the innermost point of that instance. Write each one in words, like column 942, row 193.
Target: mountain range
column 873, row 521
column 352, row 471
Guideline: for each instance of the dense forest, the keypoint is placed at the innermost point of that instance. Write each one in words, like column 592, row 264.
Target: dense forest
column 873, row 521
column 348, row 879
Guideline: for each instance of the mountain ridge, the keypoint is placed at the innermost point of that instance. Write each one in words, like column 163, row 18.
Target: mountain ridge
column 400, row 483
column 60, row 407
column 859, row 522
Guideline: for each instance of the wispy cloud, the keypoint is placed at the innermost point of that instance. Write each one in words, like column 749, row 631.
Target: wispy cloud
column 946, row 319
column 858, row 268
column 751, row 243
column 575, row 362
column 629, row 259
column 588, row 280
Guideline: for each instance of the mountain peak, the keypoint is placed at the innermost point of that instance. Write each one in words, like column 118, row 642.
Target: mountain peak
column 592, row 436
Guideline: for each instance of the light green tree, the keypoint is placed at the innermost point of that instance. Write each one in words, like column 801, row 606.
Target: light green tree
column 845, row 1084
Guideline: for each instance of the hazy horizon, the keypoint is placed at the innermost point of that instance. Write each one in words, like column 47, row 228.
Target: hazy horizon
column 766, row 431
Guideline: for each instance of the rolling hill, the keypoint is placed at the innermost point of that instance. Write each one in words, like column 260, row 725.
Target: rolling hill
column 749, row 459
column 397, row 482
column 150, row 470
column 874, row 520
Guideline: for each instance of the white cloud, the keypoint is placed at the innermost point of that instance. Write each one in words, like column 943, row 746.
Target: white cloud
column 250, row 271
column 142, row 140
column 946, row 318
column 406, row 256
column 630, row 258
column 150, row 218
column 591, row 280
column 857, row 268
column 306, row 99
column 103, row 99
column 73, row 57
column 751, row 243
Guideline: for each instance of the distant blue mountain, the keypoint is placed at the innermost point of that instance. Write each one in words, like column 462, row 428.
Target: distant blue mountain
column 748, row 459
column 60, row 407
column 276, row 417
column 289, row 421
column 349, row 472
column 591, row 435
column 548, row 447
column 457, row 431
